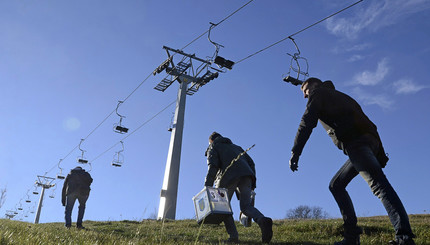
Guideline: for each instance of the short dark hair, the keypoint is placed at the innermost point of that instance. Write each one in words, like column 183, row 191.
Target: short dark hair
column 214, row 135
column 311, row 80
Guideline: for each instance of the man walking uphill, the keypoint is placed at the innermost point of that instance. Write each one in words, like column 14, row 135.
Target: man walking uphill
column 76, row 186
column 353, row 132
column 237, row 176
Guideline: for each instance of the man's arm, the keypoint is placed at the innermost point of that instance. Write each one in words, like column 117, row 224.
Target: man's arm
column 63, row 193
column 213, row 165
column 308, row 122
column 250, row 163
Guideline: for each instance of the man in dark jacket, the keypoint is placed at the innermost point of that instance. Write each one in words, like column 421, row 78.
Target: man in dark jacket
column 353, row 132
column 76, row 186
column 235, row 174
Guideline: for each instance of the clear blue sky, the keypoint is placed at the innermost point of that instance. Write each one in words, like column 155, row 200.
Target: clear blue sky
column 64, row 65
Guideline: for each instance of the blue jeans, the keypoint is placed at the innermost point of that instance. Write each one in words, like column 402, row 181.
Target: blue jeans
column 70, row 202
column 244, row 186
column 362, row 161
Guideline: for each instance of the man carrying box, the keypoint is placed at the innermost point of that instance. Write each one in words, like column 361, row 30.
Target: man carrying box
column 235, row 174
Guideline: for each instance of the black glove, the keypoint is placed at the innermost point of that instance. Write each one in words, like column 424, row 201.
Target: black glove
column 294, row 162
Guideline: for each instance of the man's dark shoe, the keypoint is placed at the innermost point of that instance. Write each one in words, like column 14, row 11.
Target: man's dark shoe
column 232, row 240
column 402, row 241
column 67, row 226
column 80, row 227
column 351, row 236
column 349, row 241
column 265, row 224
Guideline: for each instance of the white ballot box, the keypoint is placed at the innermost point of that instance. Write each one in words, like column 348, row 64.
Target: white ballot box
column 212, row 205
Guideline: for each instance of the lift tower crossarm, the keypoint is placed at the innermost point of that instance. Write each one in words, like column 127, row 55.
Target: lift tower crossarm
column 192, row 56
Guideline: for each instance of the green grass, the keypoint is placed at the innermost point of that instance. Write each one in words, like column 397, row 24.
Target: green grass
column 377, row 230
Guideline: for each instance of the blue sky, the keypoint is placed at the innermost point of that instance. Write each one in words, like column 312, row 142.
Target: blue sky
column 64, row 66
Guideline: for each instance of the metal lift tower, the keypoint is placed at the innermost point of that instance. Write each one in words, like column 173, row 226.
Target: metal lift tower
column 190, row 80
column 45, row 183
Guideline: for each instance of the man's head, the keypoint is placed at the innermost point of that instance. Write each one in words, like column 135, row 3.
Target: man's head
column 213, row 136
column 309, row 85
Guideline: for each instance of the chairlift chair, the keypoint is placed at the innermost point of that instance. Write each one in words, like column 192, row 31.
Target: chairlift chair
column 218, row 60
column 60, row 174
column 81, row 159
column 118, row 128
column 116, row 163
column 170, row 128
column 118, row 159
column 35, row 192
column 295, row 67
column 19, row 205
column 27, row 200
column 53, row 192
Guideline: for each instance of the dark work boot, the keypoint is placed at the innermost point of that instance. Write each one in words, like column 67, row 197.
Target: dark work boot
column 405, row 240
column 232, row 240
column 265, row 224
column 79, row 226
column 351, row 236
column 349, row 241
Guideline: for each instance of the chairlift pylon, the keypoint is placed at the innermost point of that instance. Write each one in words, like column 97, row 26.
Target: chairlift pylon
column 296, row 68
column 81, row 159
column 218, row 60
column 118, row 128
column 118, row 159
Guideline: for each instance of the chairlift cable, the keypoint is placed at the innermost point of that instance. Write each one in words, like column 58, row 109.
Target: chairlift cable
column 204, row 33
column 302, row 30
column 134, row 131
column 144, row 80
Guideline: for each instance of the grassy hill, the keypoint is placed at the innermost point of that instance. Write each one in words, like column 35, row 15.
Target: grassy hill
column 377, row 230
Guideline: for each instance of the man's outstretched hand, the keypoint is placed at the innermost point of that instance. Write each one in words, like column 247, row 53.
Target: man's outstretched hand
column 294, row 162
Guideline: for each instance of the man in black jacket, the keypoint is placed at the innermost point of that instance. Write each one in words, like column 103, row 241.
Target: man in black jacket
column 353, row 132
column 76, row 186
column 235, row 174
